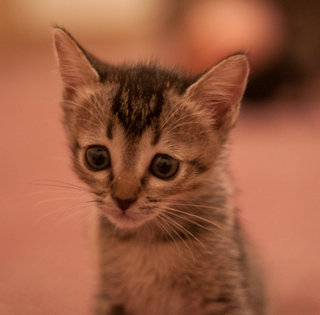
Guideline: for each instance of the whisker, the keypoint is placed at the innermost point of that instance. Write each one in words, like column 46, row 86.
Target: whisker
column 73, row 214
column 182, row 119
column 167, row 233
column 182, row 229
column 173, row 210
column 176, row 122
column 55, row 191
column 171, row 118
column 197, row 205
column 157, row 223
column 63, row 186
column 58, row 183
column 190, row 201
column 41, row 202
column 183, row 124
column 171, row 115
column 92, row 113
column 179, row 236
column 59, row 210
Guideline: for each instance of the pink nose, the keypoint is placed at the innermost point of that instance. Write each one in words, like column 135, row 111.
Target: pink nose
column 124, row 204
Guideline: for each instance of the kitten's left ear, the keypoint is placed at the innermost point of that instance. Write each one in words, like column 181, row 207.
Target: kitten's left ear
column 75, row 68
column 219, row 91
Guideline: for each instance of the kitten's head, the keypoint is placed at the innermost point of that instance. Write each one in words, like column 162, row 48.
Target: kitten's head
column 143, row 137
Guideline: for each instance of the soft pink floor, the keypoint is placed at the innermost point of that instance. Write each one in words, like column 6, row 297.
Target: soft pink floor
column 45, row 251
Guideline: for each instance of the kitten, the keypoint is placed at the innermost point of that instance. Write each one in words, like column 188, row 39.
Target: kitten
column 150, row 144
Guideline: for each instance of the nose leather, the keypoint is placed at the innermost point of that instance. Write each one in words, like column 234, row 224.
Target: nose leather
column 125, row 190
column 124, row 204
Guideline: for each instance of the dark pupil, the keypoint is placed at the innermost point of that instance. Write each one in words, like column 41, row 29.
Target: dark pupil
column 164, row 165
column 98, row 157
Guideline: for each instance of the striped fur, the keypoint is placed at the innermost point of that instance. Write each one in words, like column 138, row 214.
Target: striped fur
column 178, row 248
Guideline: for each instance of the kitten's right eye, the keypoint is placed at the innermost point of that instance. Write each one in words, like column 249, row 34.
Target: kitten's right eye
column 97, row 158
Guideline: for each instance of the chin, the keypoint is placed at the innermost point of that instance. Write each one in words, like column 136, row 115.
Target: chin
column 127, row 220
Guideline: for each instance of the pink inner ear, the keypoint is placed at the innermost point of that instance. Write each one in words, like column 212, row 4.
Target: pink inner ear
column 220, row 90
column 75, row 69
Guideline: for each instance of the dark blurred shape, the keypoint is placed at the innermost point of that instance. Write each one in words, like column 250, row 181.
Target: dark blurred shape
column 281, row 38
column 299, row 62
column 303, row 40
column 284, row 72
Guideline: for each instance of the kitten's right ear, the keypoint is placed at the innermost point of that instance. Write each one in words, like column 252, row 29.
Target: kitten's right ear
column 75, row 68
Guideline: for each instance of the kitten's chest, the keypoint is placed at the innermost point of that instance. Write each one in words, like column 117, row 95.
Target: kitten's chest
column 143, row 264
column 148, row 278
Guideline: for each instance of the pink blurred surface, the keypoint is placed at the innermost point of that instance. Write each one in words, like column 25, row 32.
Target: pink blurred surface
column 46, row 264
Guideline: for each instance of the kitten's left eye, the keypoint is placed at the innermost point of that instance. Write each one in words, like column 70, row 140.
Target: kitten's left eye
column 164, row 166
column 97, row 157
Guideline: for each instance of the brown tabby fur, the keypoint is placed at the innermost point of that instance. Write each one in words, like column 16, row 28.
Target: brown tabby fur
column 178, row 248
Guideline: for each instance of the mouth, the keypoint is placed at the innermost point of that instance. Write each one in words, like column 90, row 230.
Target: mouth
column 127, row 219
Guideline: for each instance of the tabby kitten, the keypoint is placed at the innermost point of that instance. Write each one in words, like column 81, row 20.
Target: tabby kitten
column 150, row 144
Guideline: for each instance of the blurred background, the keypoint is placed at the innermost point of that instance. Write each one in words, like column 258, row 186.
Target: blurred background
column 47, row 263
